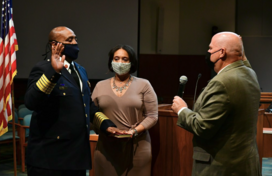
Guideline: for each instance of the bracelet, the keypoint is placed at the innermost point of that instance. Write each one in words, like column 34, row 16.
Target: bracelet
column 136, row 132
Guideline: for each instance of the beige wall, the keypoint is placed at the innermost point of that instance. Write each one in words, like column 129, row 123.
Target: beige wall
column 187, row 24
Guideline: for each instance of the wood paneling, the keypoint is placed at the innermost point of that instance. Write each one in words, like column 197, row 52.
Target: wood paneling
column 264, row 105
column 267, row 121
column 267, row 138
column 93, row 140
column 267, row 145
column 259, row 136
column 172, row 147
column 266, row 97
column 164, row 71
column 264, row 141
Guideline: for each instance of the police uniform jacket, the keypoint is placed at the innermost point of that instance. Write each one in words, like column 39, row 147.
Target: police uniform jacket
column 59, row 128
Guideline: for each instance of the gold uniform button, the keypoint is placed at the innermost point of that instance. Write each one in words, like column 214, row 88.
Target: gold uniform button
column 64, row 93
column 82, row 95
column 86, row 115
column 84, row 105
column 58, row 137
column 87, row 126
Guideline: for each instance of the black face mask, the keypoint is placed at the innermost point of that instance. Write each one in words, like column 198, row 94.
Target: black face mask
column 208, row 59
column 71, row 51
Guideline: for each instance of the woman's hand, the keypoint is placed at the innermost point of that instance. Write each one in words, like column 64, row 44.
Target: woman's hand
column 113, row 130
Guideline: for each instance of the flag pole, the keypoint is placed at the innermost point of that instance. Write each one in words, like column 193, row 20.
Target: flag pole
column 13, row 131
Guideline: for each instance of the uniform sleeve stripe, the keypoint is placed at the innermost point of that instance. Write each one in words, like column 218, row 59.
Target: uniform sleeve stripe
column 45, row 85
column 99, row 118
column 42, row 84
column 46, row 82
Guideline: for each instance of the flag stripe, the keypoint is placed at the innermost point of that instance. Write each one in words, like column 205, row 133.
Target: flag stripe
column 8, row 46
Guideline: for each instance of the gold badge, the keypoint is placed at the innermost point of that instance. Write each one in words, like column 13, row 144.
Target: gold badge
column 89, row 84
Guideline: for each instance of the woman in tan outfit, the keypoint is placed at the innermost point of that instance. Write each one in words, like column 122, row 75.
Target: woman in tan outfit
column 131, row 104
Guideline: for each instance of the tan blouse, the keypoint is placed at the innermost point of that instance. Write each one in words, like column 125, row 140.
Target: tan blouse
column 138, row 105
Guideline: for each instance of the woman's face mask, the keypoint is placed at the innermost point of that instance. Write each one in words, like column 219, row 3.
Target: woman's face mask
column 120, row 68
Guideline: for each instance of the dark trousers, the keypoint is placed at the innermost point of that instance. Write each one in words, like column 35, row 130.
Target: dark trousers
column 35, row 171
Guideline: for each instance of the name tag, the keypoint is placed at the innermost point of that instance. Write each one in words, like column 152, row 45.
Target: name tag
column 63, row 87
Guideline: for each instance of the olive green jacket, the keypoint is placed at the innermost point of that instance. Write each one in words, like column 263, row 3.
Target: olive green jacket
column 224, row 124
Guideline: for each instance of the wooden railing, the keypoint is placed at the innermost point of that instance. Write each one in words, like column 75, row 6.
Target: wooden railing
column 266, row 97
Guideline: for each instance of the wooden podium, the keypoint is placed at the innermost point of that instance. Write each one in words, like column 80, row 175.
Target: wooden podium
column 93, row 140
column 259, row 134
column 264, row 136
column 172, row 148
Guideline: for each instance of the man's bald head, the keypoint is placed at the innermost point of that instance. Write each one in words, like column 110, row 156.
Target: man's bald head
column 225, row 48
column 66, row 37
column 61, row 34
column 232, row 42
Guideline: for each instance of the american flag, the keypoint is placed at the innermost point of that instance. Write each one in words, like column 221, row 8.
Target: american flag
column 8, row 46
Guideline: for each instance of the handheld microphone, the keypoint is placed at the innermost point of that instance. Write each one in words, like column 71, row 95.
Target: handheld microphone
column 182, row 81
column 198, row 77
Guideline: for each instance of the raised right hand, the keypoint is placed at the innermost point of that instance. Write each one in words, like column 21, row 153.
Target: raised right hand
column 56, row 62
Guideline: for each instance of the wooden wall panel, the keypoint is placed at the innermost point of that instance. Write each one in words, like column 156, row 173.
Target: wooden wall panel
column 185, row 148
column 93, row 141
column 267, row 121
column 267, row 138
column 259, row 135
column 159, row 142
column 164, row 71
column 172, row 147
column 267, row 145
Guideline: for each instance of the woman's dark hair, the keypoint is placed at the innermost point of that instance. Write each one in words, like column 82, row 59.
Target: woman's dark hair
column 131, row 54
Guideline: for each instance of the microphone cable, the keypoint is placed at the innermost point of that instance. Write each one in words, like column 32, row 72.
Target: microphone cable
column 199, row 75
